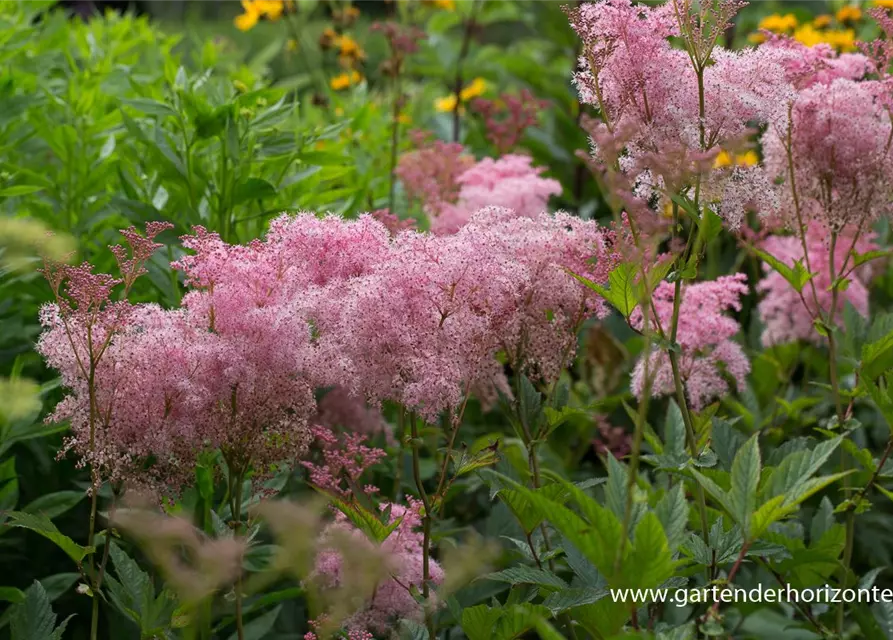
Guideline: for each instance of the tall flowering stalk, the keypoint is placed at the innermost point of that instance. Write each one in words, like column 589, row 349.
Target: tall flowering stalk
column 402, row 41
column 80, row 328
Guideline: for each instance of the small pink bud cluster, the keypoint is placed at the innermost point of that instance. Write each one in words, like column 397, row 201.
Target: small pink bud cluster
column 393, row 598
column 709, row 358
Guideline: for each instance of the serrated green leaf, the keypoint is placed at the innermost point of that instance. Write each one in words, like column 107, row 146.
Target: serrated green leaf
column 42, row 525
column 744, row 482
column 34, row 619
column 797, row 276
column 528, row 575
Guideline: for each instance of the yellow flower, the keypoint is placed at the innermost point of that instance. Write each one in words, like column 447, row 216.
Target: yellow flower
column 404, row 118
column 475, row 89
column 344, row 80
column 746, row 159
column 339, row 111
column 779, row 24
column 291, row 45
column 884, row 4
column 254, row 9
column 447, row 104
column 272, row 9
column 848, row 13
column 822, row 22
column 841, row 39
column 247, row 20
column 348, row 46
column 756, row 38
column 446, row 5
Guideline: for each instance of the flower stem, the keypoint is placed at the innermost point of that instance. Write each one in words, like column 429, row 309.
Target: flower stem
column 426, row 522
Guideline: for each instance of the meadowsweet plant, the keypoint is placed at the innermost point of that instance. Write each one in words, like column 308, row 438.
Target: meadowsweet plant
column 402, row 393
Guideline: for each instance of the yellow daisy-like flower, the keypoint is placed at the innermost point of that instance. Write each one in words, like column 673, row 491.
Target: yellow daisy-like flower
column 255, row 9
column 344, row 80
column 447, row 104
column 247, row 20
column 849, row 14
column 347, row 46
column 726, row 159
column 840, row 39
column 756, row 38
column 778, row 24
column 445, row 5
column 884, row 4
column 822, row 21
column 450, row 103
column 477, row 88
column 272, row 9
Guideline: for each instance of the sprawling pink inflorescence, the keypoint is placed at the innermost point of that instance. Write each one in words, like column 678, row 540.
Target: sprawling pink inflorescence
column 837, row 138
column 430, row 173
column 338, row 408
column 510, row 182
column 708, row 354
column 393, row 599
column 147, row 388
column 423, row 327
column 819, row 64
column 344, row 458
column 648, row 95
column 782, row 309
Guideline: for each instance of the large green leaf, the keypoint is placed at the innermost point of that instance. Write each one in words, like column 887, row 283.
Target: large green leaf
column 34, row 619
column 42, row 525
column 745, row 481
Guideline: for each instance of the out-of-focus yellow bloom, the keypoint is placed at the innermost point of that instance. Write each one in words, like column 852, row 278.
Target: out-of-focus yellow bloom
column 247, row 20
column 291, row 45
column 756, row 38
column 726, row 159
column 446, row 5
column 475, row 89
column 339, row 111
column 404, row 118
column 884, row 4
column 848, row 14
column 255, row 9
column 450, row 103
column 447, row 104
column 822, row 21
column 349, row 51
column 272, row 9
column 778, row 24
column 840, row 39
column 344, row 80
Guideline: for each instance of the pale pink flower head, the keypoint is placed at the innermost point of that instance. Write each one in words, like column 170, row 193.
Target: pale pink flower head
column 510, row 182
column 393, row 599
column 785, row 315
column 709, row 359
column 837, row 137
column 430, row 173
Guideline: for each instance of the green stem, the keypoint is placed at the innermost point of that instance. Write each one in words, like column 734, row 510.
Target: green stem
column 236, row 481
column 426, row 522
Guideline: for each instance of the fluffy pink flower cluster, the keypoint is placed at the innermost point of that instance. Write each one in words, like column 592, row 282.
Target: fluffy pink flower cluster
column 452, row 187
column 393, row 597
column 819, row 104
column 320, row 302
column 709, row 356
column 788, row 317
column 423, row 327
column 510, row 182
